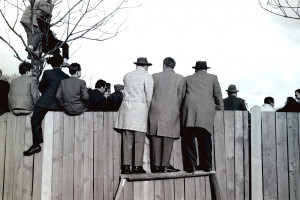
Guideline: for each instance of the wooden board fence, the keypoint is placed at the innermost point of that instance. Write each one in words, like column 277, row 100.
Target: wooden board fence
column 81, row 159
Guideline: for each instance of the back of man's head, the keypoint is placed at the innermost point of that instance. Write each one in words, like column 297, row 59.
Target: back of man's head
column 25, row 67
column 169, row 62
column 100, row 83
column 74, row 67
column 269, row 100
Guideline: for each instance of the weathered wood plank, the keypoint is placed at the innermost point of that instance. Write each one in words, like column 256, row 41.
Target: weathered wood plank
column 169, row 175
column 246, row 143
column 269, row 155
column 256, row 159
column 189, row 188
column 293, row 155
column 282, row 157
column 207, row 189
column 138, row 190
column 88, row 155
column 159, row 190
column 79, row 158
column 128, row 191
column 57, row 157
column 148, row 190
column 229, row 147
column 169, row 189
column 68, row 158
column 239, row 155
column 99, row 155
column 179, row 188
column 200, row 188
column 219, row 138
column 3, row 122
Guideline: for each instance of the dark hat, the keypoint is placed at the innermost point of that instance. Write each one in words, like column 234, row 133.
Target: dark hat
column 142, row 61
column 56, row 60
column 232, row 88
column 118, row 87
column 201, row 65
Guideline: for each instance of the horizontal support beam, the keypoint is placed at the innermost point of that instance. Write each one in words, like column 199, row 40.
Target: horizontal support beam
column 159, row 176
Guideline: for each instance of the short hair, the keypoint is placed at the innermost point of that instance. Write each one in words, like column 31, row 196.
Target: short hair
column 25, row 67
column 74, row 67
column 169, row 62
column 107, row 85
column 298, row 90
column 269, row 100
column 100, row 83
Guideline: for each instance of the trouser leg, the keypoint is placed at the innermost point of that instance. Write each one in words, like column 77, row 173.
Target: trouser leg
column 36, row 124
column 139, row 141
column 128, row 139
column 204, row 148
column 189, row 148
column 167, row 148
column 156, row 146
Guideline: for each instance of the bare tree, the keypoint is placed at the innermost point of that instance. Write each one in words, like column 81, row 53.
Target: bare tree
column 284, row 8
column 72, row 19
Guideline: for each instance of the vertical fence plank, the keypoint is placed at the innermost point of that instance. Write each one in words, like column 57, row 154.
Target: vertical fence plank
column 189, row 188
column 239, row 155
column 57, row 157
column 68, row 157
column 282, row 157
column 28, row 161
column 3, row 123
column 159, row 190
column 18, row 163
column 37, row 174
column 79, row 158
column 149, row 190
column 169, row 189
column 88, row 155
column 293, row 155
column 229, row 146
column 256, row 160
column 220, row 158
column 98, row 156
column 178, row 183
column 200, row 188
column 207, row 189
column 246, row 156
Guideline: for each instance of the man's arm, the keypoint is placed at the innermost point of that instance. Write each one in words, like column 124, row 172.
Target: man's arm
column 59, row 95
column 217, row 93
column 149, row 84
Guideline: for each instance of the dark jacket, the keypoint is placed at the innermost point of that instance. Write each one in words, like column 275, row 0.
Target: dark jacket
column 114, row 101
column 48, row 87
column 234, row 103
column 4, row 85
column 97, row 101
column 72, row 94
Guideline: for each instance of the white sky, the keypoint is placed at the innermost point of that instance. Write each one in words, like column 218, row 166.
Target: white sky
column 243, row 45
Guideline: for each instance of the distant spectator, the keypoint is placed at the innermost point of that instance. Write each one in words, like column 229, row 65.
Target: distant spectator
column 24, row 92
column 268, row 105
column 115, row 99
column 4, row 85
column 107, row 90
column 291, row 105
column 72, row 93
column 297, row 95
column 97, row 98
column 232, row 102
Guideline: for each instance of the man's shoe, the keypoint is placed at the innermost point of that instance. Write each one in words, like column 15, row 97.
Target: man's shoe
column 32, row 150
column 191, row 170
column 158, row 169
column 206, row 169
column 138, row 170
column 171, row 169
column 126, row 169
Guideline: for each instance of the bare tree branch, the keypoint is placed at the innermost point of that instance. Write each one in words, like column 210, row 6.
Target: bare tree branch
column 16, row 53
column 284, row 8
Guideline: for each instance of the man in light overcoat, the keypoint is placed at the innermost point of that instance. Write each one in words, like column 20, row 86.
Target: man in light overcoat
column 132, row 119
column 164, row 115
column 202, row 96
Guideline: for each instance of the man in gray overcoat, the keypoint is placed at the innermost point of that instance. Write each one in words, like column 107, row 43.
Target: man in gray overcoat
column 201, row 95
column 132, row 119
column 164, row 116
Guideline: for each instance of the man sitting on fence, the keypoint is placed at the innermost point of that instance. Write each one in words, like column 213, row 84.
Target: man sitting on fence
column 115, row 99
column 232, row 102
column 72, row 93
column 268, row 105
column 97, row 99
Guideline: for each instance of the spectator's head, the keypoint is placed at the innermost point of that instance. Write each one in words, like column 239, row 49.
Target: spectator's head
column 143, row 62
column 100, row 85
column 232, row 90
column 290, row 101
column 118, row 87
column 75, row 70
column 269, row 100
column 169, row 62
column 56, row 60
column 200, row 65
column 297, row 95
column 25, row 68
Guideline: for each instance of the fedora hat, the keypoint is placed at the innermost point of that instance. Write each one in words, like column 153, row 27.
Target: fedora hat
column 201, row 65
column 142, row 61
column 232, row 88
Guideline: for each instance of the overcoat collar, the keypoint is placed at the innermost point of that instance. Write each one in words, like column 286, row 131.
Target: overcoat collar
column 168, row 69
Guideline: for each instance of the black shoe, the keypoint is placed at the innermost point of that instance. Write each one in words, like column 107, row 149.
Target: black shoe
column 138, row 170
column 206, row 169
column 126, row 169
column 158, row 169
column 32, row 150
column 191, row 170
column 171, row 169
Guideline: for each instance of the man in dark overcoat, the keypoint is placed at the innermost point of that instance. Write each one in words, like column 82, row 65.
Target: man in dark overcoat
column 202, row 96
column 114, row 100
column 4, row 85
column 164, row 116
column 47, row 102
column 232, row 102
column 97, row 98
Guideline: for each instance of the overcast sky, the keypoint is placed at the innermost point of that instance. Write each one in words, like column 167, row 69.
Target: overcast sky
column 243, row 44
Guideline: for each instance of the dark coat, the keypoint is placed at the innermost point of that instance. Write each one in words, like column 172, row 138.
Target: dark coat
column 4, row 85
column 164, row 113
column 97, row 101
column 72, row 94
column 234, row 103
column 48, row 87
column 114, row 101
column 201, row 93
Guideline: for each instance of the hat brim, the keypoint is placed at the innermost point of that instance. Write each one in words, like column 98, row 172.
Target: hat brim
column 232, row 90
column 147, row 64
column 200, row 67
